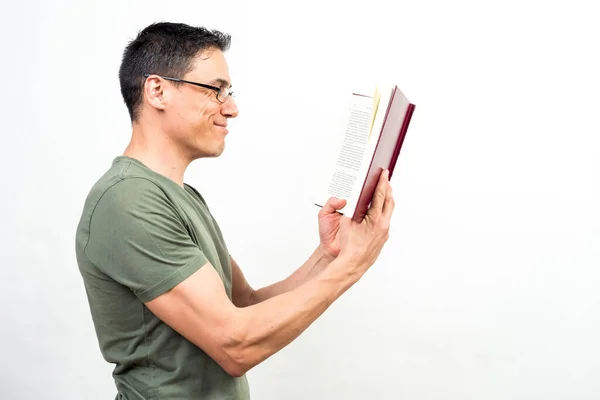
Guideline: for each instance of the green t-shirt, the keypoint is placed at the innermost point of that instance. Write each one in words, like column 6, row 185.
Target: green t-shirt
column 140, row 234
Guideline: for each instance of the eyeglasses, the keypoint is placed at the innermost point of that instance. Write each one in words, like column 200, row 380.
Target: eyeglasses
column 223, row 93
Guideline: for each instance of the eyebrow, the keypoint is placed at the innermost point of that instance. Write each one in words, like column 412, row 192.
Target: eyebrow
column 222, row 82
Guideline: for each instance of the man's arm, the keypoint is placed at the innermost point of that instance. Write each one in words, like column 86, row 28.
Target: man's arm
column 240, row 338
column 244, row 295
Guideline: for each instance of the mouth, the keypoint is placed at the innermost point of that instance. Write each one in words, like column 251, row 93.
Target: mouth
column 222, row 127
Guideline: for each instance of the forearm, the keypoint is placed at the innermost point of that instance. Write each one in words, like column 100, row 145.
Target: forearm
column 261, row 330
column 311, row 268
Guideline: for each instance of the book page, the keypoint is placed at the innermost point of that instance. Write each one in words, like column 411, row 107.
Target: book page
column 352, row 148
column 376, row 99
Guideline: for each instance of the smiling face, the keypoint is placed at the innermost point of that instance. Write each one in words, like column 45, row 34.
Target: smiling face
column 192, row 116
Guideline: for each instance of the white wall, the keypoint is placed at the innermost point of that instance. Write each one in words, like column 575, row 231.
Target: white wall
column 488, row 286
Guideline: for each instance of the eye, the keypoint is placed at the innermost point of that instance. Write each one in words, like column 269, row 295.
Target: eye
column 224, row 93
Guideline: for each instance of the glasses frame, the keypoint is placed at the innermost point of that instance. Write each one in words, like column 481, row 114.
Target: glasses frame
column 217, row 89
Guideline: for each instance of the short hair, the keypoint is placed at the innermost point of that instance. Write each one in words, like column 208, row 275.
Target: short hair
column 163, row 48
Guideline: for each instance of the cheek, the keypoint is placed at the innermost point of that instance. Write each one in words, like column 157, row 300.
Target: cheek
column 204, row 113
column 202, row 119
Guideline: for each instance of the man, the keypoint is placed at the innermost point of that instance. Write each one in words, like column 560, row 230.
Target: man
column 170, row 306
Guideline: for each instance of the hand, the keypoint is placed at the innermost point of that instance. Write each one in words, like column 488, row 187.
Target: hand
column 361, row 243
column 329, row 226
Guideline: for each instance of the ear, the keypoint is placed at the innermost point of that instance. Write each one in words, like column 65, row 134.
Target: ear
column 154, row 92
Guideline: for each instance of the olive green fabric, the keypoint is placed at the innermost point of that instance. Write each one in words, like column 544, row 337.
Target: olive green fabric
column 140, row 234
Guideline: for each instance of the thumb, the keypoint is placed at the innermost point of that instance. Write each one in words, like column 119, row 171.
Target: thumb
column 333, row 204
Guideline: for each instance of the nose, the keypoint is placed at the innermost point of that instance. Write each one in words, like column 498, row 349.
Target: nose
column 229, row 108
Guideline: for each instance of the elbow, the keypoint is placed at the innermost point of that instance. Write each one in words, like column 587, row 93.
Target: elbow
column 238, row 355
column 236, row 364
column 235, row 371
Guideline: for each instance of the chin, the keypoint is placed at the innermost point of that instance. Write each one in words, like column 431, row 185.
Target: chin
column 218, row 153
column 212, row 153
column 207, row 149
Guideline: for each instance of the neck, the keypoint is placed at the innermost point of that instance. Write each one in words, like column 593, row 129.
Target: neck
column 158, row 152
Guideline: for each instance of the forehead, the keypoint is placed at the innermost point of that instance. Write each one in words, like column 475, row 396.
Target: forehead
column 210, row 65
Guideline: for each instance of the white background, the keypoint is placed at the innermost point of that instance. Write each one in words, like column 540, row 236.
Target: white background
column 489, row 285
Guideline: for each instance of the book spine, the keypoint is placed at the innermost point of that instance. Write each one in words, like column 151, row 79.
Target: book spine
column 403, row 130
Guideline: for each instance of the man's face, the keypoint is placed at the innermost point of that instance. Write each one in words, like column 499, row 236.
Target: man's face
column 196, row 120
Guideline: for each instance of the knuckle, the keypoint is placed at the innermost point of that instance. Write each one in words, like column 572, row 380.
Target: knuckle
column 384, row 225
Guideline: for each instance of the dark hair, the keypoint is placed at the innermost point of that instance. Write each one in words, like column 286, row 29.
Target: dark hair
column 163, row 48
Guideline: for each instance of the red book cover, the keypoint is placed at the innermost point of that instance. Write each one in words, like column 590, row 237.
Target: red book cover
column 386, row 154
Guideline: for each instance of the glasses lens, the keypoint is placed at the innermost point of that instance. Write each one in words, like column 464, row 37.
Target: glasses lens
column 224, row 94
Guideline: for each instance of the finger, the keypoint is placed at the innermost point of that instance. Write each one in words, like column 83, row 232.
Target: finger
column 389, row 204
column 332, row 205
column 379, row 195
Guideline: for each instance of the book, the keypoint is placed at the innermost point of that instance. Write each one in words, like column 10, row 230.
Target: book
column 374, row 127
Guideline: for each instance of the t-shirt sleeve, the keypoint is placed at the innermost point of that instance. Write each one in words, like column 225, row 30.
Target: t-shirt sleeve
column 138, row 238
